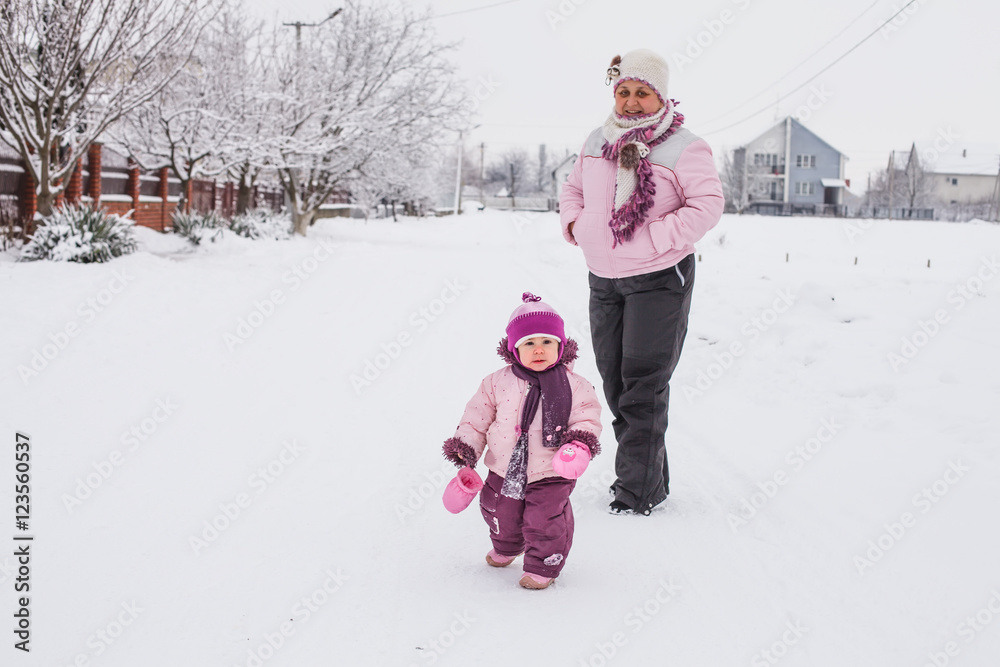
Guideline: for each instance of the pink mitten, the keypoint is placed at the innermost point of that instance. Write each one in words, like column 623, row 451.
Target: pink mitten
column 571, row 459
column 461, row 490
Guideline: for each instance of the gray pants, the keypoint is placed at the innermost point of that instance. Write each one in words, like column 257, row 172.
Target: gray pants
column 638, row 325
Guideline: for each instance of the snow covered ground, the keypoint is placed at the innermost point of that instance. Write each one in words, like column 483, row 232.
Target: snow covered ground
column 236, row 453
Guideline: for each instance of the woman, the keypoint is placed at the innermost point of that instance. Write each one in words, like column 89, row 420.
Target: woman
column 642, row 192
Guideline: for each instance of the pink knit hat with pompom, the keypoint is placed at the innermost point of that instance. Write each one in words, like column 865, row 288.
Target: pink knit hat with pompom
column 534, row 318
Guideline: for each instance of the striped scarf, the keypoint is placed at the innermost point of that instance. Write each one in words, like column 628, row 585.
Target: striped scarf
column 628, row 141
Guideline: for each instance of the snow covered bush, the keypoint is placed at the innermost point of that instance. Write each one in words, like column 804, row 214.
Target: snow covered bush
column 262, row 223
column 196, row 227
column 81, row 234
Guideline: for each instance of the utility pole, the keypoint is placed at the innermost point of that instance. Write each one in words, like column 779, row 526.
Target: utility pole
column 482, row 173
column 892, row 179
column 458, row 177
column 513, row 204
column 298, row 25
column 996, row 199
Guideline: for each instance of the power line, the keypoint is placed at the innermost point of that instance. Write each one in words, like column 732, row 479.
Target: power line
column 797, row 67
column 815, row 76
column 474, row 9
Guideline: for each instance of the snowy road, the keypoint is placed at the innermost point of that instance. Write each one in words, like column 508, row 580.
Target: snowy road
column 236, row 453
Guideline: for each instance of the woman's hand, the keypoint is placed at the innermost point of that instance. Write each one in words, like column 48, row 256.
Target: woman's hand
column 570, row 229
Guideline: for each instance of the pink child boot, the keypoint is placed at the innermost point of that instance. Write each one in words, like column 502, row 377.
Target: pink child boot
column 571, row 459
column 461, row 490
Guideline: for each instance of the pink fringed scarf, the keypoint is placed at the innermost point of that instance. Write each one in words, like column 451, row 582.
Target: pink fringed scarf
column 628, row 141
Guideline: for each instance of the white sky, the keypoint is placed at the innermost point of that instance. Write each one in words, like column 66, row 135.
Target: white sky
column 937, row 71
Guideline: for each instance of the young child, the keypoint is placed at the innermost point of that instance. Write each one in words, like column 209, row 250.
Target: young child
column 538, row 423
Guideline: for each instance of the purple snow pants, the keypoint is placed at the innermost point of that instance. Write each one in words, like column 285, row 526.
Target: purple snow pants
column 541, row 525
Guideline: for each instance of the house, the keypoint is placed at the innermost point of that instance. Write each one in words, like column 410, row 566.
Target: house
column 790, row 170
column 963, row 173
column 561, row 174
column 961, row 179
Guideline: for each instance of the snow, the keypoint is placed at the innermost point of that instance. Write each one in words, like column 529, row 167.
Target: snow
column 191, row 386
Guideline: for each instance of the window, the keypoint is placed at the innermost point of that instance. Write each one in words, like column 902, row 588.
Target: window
column 805, row 161
column 954, row 181
column 765, row 159
column 805, row 188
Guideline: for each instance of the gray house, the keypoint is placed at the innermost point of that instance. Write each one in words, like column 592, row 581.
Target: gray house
column 788, row 170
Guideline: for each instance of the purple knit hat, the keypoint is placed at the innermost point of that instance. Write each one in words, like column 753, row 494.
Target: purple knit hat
column 534, row 318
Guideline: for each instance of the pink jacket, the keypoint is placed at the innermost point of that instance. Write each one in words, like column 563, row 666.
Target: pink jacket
column 688, row 203
column 493, row 414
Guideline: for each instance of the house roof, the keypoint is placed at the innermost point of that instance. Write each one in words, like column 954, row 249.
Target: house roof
column 900, row 160
column 568, row 158
column 960, row 158
column 795, row 125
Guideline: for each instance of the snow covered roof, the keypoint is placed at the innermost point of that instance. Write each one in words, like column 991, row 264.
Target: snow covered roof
column 962, row 158
column 900, row 159
column 8, row 153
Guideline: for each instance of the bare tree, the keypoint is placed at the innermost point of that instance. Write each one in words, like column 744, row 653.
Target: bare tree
column 364, row 90
column 901, row 185
column 71, row 68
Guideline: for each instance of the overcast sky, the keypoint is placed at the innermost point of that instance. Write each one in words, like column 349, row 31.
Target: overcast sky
column 539, row 67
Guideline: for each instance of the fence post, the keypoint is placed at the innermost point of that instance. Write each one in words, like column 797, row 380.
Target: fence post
column 29, row 202
column 133, row 187
column 163, row 191
column 74, row 189
column 94, row 171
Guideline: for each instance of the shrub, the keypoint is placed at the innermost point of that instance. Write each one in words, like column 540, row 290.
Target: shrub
column 81, row 234
column 197, row 226
column 262, row 223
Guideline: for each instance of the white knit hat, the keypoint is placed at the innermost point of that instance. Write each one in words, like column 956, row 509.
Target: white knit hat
column 641, row 65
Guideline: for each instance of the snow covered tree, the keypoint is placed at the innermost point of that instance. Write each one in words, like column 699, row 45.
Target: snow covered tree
column 192, row 125
column 367, row 87
column 903, row 184
column 71, row 68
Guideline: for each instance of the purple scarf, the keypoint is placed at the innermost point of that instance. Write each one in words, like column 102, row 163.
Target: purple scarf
column 550, row 389
column 628, row 142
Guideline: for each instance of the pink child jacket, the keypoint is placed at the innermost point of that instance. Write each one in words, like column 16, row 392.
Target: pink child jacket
column 492, row 416
column 688, row 202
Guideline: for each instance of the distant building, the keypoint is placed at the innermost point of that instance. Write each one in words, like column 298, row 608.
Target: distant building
column 790, row 170
column 962, row 180
column 561, row 173
column 963, row 173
